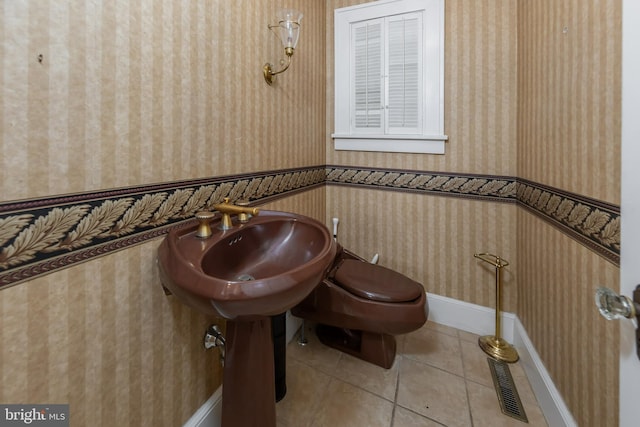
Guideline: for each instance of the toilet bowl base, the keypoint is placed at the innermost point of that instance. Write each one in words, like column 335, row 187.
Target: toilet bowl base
column 376, row 348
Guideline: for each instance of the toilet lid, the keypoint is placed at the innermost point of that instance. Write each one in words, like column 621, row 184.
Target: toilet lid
column 376, row 283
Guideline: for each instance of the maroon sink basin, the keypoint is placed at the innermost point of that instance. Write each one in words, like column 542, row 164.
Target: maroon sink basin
column 257, row 269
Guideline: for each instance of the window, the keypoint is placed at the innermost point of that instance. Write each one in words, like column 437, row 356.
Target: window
column 389, row 62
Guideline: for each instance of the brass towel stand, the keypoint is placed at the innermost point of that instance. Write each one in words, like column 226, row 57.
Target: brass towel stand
column 494, row 345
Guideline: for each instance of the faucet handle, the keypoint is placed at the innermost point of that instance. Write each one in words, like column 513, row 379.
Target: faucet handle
column 225, row 219
column 243, row 217
column 204, row 229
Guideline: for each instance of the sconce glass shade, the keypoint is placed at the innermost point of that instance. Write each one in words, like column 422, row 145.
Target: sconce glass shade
column 289, row 26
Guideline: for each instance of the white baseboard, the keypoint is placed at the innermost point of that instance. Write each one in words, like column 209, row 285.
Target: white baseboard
column 549, row 398
column 481, row 320
column 209, row 414
column 467, row 317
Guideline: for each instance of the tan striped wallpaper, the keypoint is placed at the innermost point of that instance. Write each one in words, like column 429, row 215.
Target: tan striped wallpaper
column 569, row 95
column 107, row 94
column 529, row 98
column 480, row 93
column 130, row 93
column 431, row 239
column 411, row 232
column 103, row 338
column 100, row 95
column 569, row 137
column 557, row 278
column 480, row 120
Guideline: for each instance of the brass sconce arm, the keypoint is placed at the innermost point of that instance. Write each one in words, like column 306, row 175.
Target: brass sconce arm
column 268, row 71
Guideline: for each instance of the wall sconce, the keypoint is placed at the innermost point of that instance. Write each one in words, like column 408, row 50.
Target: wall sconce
column 289, row 31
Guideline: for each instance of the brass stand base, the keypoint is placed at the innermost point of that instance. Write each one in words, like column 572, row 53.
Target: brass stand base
column 498, row 348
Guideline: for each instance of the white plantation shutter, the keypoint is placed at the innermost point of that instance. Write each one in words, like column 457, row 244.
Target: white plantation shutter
column 367, row 112
column 404, row 74
column 389, row 76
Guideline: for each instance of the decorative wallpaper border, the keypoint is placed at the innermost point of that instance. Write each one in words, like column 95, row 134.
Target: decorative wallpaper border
column 591, row 222
column 482, row 187
column 38, row 236
column 42, row 235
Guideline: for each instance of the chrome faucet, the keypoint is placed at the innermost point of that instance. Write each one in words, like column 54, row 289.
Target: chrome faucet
column 227, row 209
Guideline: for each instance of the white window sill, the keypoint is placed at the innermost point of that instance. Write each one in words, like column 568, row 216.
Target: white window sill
column 432, row 144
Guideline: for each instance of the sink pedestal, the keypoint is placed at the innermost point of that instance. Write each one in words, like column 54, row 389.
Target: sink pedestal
column 248, row 379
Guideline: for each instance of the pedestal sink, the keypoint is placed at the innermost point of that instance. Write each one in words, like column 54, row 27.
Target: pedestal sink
column 245, row 275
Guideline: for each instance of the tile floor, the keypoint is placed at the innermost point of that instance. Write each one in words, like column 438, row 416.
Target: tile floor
column 440, row 377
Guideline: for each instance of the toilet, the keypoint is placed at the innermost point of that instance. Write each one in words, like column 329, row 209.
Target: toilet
column 359, row 307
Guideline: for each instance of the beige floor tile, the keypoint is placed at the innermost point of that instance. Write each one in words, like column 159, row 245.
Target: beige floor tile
column 443, row 329
column 486, row 411
column 468, row 336
column 434, row 393
column 344, row 405
column 532, row 409
column 315, row 353
column 434, row 348
column 400, row 343
column 535, row 415
column 304, row 387
column 517, row 370
column 476, row 367
column 485, row 408
column 439, row 374
column 368, row 376
column 406, row 418
column 523, row 385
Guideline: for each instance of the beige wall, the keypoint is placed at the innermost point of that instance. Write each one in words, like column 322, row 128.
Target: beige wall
column 480, row 93
column 569, row 137
column 131, row 93
column 523, row 99
column 480, row 119
column 569, row 94
column 103, row 338
column 431, row 239
column 556, row 282
column 140, row 92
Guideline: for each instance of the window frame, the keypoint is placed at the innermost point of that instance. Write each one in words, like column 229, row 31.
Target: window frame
column 431, row 139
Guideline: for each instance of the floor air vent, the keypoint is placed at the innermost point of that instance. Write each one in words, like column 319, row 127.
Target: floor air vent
column 506, row 390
